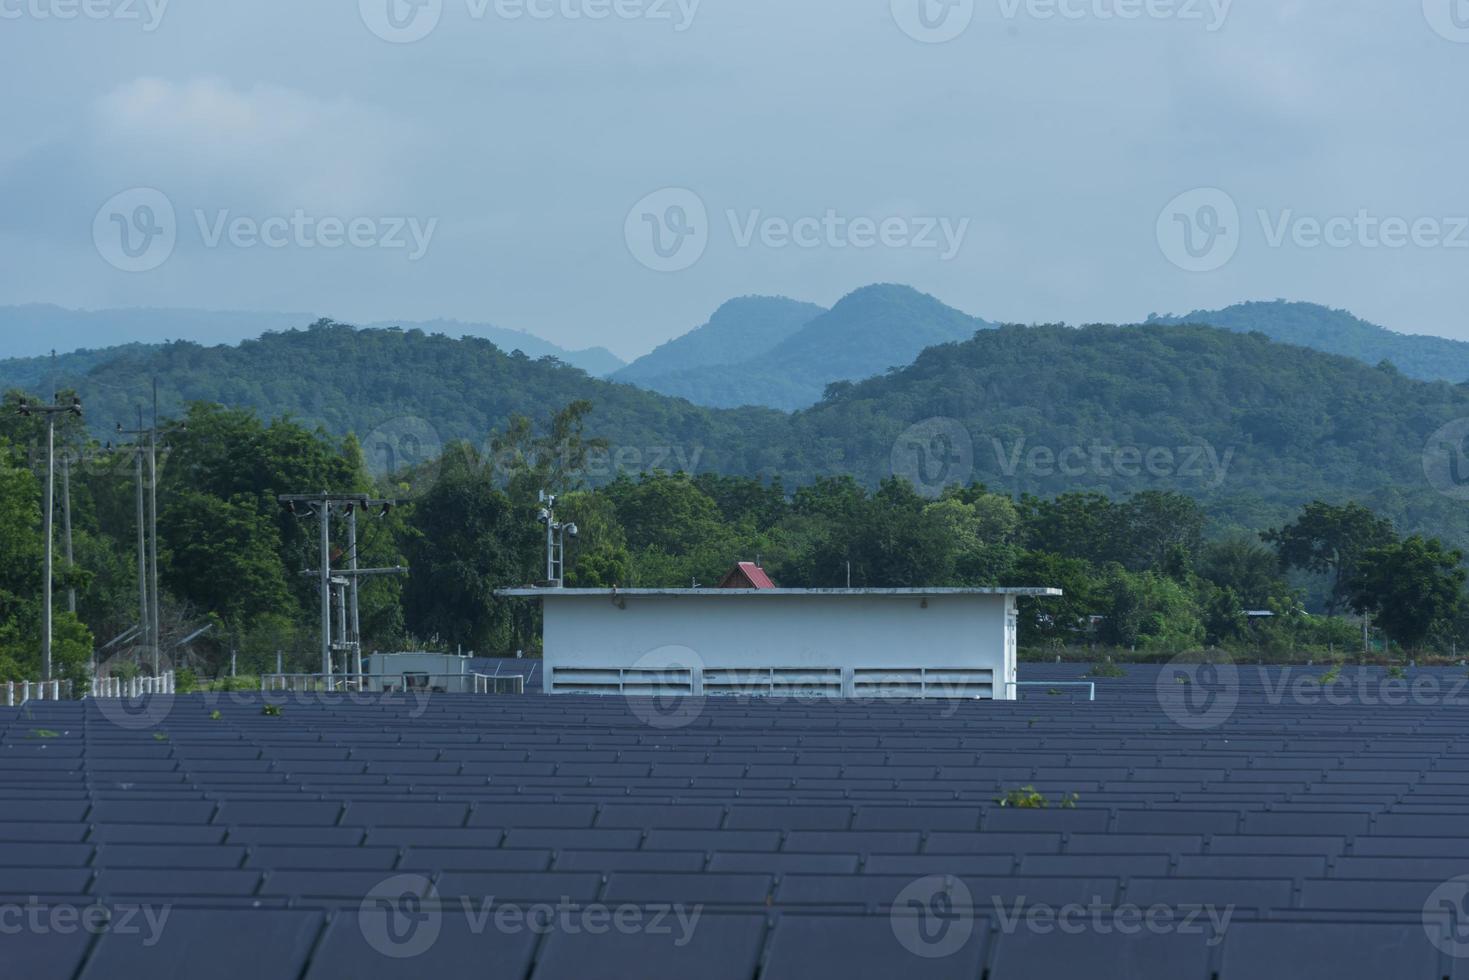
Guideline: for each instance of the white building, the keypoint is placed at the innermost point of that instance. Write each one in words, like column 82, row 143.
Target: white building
column 907, row 643
column 400, row 672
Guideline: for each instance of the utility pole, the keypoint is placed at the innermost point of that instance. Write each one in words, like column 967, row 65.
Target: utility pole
column 145, row 447
column 50, row 412
column 71, row 590
column 355, row 633
column 322, row 506
column 157, row 632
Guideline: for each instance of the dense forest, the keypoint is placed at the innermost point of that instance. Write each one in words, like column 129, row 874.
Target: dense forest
column 1421, row 356
column 1143, row 573
column 1252, row 428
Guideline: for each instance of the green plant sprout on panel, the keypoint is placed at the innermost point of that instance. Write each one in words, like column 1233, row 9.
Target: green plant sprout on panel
column 1029, row 798
column 271, row 710
column 1107, row 670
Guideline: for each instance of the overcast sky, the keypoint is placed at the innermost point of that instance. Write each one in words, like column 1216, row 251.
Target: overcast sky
column 611, row 180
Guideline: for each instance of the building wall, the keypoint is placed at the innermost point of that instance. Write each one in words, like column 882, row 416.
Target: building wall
column 851, row 646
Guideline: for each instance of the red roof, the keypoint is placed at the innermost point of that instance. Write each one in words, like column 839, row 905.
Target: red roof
column 747, row 575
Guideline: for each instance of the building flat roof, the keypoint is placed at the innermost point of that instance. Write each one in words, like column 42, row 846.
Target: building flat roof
column 534, row 593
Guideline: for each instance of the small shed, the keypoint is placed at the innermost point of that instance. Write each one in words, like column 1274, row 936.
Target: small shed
column 836, row 643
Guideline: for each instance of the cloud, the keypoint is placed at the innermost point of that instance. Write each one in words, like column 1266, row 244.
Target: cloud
column 259, row 147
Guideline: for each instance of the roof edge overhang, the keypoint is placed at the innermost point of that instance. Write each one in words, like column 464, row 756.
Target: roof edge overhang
column 535, row 593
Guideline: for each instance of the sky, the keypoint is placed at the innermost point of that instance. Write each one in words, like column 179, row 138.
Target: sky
column 608, row 172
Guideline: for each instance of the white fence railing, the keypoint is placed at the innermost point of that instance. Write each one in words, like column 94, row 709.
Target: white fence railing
column 1089, row 685
column 410, row 681
column 130, row 687
column 15, row 693
column 499, row 683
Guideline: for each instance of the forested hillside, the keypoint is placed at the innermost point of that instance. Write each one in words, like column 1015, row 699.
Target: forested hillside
column 1255, row 427
column 1251, row 427
column 1339, row 332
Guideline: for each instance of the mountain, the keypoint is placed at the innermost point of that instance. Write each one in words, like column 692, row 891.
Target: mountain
column 738, row 331
column 596, row 361
column 37, row 329
column 868, row 332
column 34, row 330
column 1339, row 332
column 411, row 386
column 1253, row 427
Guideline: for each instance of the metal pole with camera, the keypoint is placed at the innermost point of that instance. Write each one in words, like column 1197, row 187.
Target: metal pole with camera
column 556, row 534
column 27, row 410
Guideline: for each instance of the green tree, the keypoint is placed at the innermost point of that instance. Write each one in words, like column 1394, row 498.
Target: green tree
column 223, row 556
column 465, row 541
column 1409, row 588
column 1329, row 540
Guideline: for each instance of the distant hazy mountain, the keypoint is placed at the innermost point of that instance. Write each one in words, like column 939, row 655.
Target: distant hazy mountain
column 37, row 329
column 1338, row 332
column 596, row 361
column 868, row 332
column 739, row 330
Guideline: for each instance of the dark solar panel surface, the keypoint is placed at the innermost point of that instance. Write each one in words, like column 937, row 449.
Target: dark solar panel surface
column 1269, row 827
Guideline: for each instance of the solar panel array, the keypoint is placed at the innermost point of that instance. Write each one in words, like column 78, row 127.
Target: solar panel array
column 1227, row 824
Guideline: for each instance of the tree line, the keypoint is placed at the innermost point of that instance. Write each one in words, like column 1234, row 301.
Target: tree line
column 1142, row 573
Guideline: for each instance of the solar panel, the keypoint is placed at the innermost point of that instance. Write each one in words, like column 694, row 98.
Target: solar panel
column 520, row 886
column 715, row 947
column 296, row 813
column 168, row 856
column 241, row 944
column 173, row 882
column 608, row 861
column 1325, row 951
column 359, row 944
column 855, row 948
column 1031, row 954
column 406, row 814
column 708, row 888
column 916, row 818
column 43, row 954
